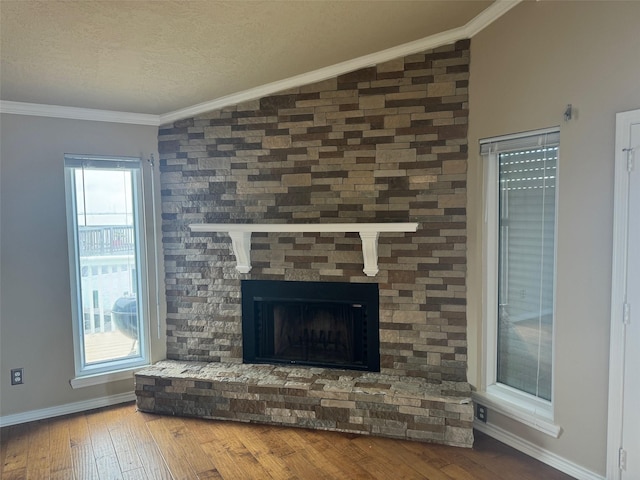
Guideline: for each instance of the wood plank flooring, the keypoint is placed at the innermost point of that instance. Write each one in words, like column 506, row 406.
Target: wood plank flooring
column 121, row 443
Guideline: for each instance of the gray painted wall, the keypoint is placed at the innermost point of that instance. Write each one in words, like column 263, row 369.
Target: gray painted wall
column 525, row 68
column 35, row 295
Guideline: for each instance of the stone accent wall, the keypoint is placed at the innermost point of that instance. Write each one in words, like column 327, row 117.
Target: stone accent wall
column 385, row 143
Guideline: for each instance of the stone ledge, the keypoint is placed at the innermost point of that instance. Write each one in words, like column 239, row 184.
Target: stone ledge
column 327, row 399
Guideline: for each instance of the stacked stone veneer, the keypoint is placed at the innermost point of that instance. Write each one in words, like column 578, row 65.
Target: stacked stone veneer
column 385, row 143
column 347, row 401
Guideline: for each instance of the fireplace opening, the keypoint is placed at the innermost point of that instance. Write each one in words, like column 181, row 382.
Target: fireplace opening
column 327, row 324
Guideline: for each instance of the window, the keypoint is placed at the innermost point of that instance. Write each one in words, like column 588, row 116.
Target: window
column 520, row 240
column 106, row 241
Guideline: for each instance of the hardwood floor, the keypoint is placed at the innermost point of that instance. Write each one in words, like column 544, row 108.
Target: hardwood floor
column 120, row 443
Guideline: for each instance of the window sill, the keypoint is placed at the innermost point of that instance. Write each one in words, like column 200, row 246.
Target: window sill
column 528, row 416
column 101, row 378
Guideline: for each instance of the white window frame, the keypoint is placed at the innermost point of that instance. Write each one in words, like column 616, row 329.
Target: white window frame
column 93, row 374
column 511, row 402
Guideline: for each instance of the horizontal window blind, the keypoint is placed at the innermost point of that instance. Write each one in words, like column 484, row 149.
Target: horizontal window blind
column 525, row 141
column 527, row 221
column 77, row 161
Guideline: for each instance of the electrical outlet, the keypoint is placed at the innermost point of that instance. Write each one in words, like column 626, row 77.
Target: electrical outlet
column 481, row 413
column 17, row 376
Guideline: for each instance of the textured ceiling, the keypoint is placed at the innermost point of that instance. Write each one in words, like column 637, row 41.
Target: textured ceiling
column 160, row 56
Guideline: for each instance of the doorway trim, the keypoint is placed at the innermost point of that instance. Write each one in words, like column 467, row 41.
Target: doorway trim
column 624, row 120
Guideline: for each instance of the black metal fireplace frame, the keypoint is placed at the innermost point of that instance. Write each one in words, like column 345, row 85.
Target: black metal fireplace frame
column 365, row 294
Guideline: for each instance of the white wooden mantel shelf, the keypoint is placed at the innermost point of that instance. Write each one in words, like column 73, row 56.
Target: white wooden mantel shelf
column 240, row 234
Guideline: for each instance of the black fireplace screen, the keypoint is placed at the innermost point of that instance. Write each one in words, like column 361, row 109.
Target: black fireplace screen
column 329, row 324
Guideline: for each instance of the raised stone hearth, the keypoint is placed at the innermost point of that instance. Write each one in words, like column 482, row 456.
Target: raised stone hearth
column 326, row 399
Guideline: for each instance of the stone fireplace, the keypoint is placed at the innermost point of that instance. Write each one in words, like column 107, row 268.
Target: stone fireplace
column 382, row 144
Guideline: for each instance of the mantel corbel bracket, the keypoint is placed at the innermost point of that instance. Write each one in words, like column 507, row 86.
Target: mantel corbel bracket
column 240, row 234
column 241, row 244
column 370, row 252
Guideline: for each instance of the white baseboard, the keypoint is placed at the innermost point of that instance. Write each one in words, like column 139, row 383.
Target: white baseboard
column 66, row 409
column 534, row 451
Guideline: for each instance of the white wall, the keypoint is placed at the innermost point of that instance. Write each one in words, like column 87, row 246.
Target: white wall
column 525, row 68
column 35, row 295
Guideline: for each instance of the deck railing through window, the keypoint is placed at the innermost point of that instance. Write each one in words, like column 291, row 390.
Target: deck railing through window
column 106, row 240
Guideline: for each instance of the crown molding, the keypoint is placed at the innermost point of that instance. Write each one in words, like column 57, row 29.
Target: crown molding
column 475, row 25
column 75, row 113
column 478, row 23
column 319, row 75
column 488, row 16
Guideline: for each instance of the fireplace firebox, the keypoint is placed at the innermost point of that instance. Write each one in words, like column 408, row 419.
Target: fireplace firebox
column 324, row 324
